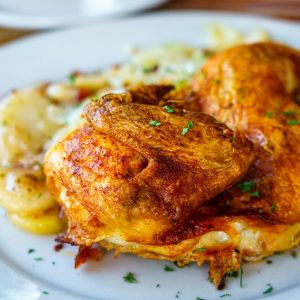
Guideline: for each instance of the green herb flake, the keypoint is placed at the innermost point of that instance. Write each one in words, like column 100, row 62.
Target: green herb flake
column 216, row 81
column 198, row 298
column 129, row 278
column 72, row 78
column 269, row 290
column 294, row 254
column 278, row 252
column 38, row 259
column 184, row 131
column 53, row 263
column 269, row 262
column 241, row 277
column 158, row 285
column 225, row 295
column 188, row 127
column 254, row 194
column 45, row 292
column 167, row 268
column 168, row 109
column 202, row 249
column 232, row 273
column 293, row 122
column 30, row 251
column 154, row 123
column 268, row 114
column 273, row 207
column 246, row 186
column 150, row 69
column 210, row 279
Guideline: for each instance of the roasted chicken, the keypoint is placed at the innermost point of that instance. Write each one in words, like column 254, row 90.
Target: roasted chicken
column 138, row 181
column 188, row 188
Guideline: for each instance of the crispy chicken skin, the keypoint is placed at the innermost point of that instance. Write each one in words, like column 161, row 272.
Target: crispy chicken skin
column 138, row 181
column 250, row 88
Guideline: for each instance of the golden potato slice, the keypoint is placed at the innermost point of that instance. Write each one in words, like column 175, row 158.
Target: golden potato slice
column 47, row 223
column 24, row 191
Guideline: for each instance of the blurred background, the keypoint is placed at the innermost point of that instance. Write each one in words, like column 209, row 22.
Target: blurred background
column 23, row 17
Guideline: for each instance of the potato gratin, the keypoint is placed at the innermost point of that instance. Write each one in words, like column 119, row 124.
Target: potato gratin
column 183, row 154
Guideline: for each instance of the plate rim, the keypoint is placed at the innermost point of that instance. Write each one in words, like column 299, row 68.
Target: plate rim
column 40, row 36
column 29, row 22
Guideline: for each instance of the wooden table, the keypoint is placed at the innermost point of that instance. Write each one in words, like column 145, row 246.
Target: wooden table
column 288, row 9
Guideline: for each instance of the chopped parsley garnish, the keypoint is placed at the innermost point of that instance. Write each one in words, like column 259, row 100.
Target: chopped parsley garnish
column 45, row 293
column 273, row 207
column 246, row 186
column 30, row 251
column 269, row 262
column 225, row 295
column 294, row 254
column 154, row 123
column 150, row 69
column 158, row 285
column 129, row 278
column 188, row 127
column 210, row 279
column 168, row 109
column 293, row 122
column 202, row 249
column 241, row 278
column 167, row 268
column 254, row 194
column 53, row 263
column 198, row 298
column 38, row 258
column 72, row 78
column 278, row 252
column 269, row 290
column 268, row 114
column 232, row 273
column 216, row 81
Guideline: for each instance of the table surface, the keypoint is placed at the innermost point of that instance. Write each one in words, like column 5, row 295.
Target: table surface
column 287, row 9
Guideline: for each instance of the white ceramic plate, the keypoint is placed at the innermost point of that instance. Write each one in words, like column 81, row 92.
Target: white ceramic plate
column 52, row 56
column 38, row 14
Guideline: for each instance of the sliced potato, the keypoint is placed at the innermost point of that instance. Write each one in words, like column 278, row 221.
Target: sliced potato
column 24, row 191
column 27, row 120
column 47, row 223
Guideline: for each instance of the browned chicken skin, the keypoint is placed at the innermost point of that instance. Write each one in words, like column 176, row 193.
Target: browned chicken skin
column 137, row 180
column 251, row 88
